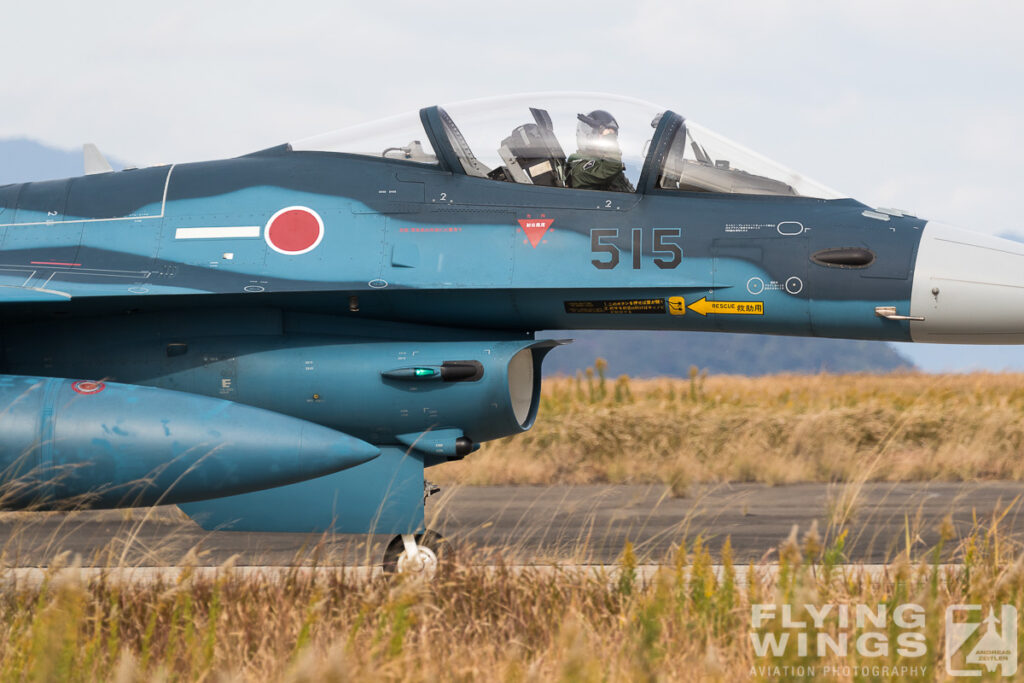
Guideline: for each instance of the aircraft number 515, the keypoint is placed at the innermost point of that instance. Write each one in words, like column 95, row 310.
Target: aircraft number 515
column 602, row 242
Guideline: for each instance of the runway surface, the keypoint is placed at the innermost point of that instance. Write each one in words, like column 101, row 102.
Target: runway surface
column 531, row 524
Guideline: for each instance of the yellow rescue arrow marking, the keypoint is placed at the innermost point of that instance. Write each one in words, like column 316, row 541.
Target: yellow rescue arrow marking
column 704, row 307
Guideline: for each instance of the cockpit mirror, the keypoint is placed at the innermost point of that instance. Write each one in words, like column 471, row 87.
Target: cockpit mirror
column 413, row 151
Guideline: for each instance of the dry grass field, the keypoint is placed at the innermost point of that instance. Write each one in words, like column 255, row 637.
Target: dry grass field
column 687, row 621
column 773, row 429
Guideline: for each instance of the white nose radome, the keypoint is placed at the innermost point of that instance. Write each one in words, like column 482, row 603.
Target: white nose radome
column 968, row 287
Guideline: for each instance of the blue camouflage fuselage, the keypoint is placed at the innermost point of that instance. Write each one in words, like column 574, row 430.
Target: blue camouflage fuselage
column 425, row 245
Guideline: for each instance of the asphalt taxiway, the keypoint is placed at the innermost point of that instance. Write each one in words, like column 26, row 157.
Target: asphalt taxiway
column 554, row 524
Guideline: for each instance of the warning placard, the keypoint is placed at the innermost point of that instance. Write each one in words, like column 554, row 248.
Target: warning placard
column 617, row 306
column 704, row 307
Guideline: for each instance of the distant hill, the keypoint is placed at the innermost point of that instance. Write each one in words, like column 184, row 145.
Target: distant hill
column 640, row 354
column 650, row 354
column 23, row 160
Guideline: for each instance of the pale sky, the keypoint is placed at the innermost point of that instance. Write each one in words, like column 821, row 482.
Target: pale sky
column 915, row 105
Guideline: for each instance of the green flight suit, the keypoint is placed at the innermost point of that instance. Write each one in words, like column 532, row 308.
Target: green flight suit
column 597, row 173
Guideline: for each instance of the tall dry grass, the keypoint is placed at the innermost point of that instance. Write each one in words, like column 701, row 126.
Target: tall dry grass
column 688, row 620
column 775, row 429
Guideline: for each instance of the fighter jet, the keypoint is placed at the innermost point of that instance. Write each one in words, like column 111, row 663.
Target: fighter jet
column 287, row 340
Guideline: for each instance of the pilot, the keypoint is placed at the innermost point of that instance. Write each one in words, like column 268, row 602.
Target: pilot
column 597, row 164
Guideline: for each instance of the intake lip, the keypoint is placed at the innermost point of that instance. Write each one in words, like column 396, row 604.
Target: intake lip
column 844, row 257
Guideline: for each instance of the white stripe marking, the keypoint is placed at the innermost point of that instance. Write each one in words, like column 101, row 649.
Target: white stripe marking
column 217, row 233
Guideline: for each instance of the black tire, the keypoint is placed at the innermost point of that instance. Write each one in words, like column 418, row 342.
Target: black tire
column 437, row 543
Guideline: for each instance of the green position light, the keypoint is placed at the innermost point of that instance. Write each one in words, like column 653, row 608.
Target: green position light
column 425, row 372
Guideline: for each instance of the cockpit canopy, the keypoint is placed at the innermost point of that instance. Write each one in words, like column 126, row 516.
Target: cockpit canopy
column 572, row 140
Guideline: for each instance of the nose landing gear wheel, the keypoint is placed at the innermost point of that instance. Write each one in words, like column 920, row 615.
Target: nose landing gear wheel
column 421, row 554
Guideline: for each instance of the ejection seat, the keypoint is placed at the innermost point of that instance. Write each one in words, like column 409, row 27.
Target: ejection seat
column 704, row 174
column 532, row 154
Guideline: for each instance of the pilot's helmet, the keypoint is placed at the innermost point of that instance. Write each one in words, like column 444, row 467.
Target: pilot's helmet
column 597, row 132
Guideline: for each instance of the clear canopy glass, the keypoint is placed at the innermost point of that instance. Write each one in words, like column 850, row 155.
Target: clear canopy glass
column 576, row 141
column 526, row 138
column 700, row 160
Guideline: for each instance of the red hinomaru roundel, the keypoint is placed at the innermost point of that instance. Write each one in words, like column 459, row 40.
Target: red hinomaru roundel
column 86, row 386
column 294, row 230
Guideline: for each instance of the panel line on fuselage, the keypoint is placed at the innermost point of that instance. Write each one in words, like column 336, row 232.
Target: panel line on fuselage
column 163, row 210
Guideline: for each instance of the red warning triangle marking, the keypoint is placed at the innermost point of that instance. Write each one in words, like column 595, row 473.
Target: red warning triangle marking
column 535, row 228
